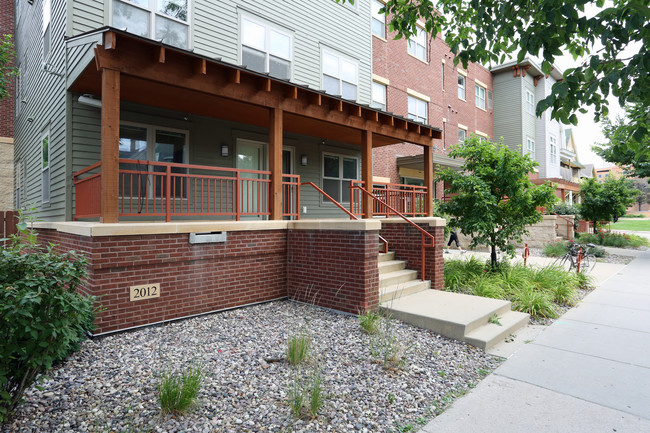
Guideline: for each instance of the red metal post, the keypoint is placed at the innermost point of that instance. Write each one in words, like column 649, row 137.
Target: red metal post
column 168, row 184
column 579, row 260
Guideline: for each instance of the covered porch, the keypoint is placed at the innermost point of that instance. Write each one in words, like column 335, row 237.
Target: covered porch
column 131, row 70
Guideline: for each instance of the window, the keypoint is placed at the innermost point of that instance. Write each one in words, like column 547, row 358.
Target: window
column 553, row 144
column 479, row 97
column 417, row 44
column 17, row 89
column 490, row 103
column 45, row 167
column 530, row 102
column 461, row 87
column 166, row 20
column 462, row 135
column 339, row 76
column 19, row 183
column 338, row 171
column 417, row 109
column 378, row 19
column 265, row 49
column 47, row 39
column 378, row 96
column 530, row 146
column 442, row 75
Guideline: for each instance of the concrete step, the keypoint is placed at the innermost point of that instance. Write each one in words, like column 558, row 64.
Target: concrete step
column 391, row 266
column 491, row 334
column 450, row 314
column 397, row 277
column 390, row 293
column 384, row 257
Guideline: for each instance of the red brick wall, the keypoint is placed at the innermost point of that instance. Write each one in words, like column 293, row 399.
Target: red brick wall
column 405, row 241
column 7, row 104
column 335, row 269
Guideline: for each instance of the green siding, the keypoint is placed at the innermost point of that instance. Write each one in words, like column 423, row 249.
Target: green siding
column 508, row 110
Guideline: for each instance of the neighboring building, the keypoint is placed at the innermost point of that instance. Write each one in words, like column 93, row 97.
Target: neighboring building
column 7, row 128
column 604, row 173
column 518, row 87
column 417, row 78
column 168, row 119
column 587, row 172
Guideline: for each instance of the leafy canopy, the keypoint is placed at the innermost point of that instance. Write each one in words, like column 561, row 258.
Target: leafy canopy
column 493, row 201
column 603, row 201
column 7, row 70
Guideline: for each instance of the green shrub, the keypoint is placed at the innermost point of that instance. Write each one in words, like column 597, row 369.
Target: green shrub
column 177, row 392
column 298, row 348
column 513, row 278
column 369, row 322
column 486, row 287
column 43, row 317
column 557, row 249
column 617, row 240
column 534, row 302
column 584, row 281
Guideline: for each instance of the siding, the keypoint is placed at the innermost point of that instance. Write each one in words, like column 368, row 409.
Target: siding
column 508, row 110
column 87, row 15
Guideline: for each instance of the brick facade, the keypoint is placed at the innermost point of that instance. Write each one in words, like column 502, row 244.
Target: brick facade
column 7, row 104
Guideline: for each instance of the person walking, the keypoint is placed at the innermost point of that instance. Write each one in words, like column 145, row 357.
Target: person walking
column 453, row 237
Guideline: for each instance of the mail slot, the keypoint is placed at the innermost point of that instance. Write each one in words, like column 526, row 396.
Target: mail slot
column 208, row 238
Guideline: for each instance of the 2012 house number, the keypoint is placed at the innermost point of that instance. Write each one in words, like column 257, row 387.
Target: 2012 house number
column 147, row 291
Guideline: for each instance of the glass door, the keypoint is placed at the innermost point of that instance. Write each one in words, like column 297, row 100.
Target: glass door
column 253, row 194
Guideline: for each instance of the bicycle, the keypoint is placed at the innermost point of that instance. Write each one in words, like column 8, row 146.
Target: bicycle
column 569, row 261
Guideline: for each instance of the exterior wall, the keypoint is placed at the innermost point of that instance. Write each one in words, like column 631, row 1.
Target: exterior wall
column 6, row 173
column 509, row 111
column 7, row 124
column 540, row 234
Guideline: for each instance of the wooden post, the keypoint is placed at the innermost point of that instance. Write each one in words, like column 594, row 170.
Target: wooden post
column 110, row 137
column 366, row 171
column 428, row 178
column 275, row 162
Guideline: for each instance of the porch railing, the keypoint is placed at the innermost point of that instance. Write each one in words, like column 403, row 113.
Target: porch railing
column 159, row 189
column 409, row 200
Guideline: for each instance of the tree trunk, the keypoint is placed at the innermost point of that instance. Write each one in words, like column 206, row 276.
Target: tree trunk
column 493, row 256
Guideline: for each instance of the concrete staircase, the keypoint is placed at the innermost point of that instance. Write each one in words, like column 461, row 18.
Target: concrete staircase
column 462, row 317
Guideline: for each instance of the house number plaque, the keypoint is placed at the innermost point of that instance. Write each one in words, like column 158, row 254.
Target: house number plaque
column 147, row 291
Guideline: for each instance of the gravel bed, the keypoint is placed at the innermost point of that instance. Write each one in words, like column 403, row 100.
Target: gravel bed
column 110, row 384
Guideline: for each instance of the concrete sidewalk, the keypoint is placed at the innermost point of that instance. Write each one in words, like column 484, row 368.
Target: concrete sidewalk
column 588, row 372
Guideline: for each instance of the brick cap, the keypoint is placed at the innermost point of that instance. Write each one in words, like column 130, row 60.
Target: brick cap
column 336, row 224
column 432, row 221
column 6, row 140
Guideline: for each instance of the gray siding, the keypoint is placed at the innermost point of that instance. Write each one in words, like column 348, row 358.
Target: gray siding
column 86, row 15
column 508, row 110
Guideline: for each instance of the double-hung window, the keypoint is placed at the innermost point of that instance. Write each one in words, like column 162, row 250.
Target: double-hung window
column 265, row 48
column 530, row 146
column 417, row 44
column 340, row 75
column 47, row 28
column 417, row 109
column 462, row 135
column 530, row 102
column 45, row 167
column 166, row 20
column 378, row 19
column 378, row 96
column 553, row 148
column 479, row 96
column 461, row 87
column 338, row 172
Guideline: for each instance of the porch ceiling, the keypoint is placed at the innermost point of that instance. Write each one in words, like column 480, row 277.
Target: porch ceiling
column 416, row 162
column 161, row 76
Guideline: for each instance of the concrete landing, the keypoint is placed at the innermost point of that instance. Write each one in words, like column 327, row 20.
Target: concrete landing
column 457, row 316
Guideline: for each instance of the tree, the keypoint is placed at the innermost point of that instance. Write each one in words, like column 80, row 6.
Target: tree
column 612, row 39
column 643, row 194
column 7, row 70
column 607, row 200
column 628, row 145
column 492, row 199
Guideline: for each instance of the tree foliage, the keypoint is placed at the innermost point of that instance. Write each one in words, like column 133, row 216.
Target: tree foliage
column 492, row 199
column 7, row 70
column 606, row 200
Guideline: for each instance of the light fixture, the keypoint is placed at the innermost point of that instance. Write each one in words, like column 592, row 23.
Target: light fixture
column 224, row 150
column 303, row 159
column 89, row 100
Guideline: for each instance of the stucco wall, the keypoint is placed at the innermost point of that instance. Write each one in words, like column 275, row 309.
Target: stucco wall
column 6, row 173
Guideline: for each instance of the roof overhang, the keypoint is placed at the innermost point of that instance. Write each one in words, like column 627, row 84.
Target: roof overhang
column 558, row 183
column 440, row 161
column 155, row 74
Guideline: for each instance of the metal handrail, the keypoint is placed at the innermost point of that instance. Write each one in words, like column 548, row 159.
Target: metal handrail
column 568, row 221
column 340, row 206
column 424, row 232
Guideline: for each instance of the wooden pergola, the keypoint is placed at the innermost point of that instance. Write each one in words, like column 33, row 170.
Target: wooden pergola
column 139, row 70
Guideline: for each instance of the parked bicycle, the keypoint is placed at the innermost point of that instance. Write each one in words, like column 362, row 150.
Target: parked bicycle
column 569, row 261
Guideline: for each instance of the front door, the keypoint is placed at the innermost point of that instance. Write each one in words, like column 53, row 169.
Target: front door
column 253, row 194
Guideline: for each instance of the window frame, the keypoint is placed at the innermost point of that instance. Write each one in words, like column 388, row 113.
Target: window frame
column 47, row 29
column 464, row 134
column 374, row 18
column 419, row 103
column 151, row 138
column 552, row 141
column 413, row 44
column 344, row 198
column 341, row 57
column 152, row 9
column 530, row 103
column 45, row 169
column 381, row 105
column 268, row 27
column 530, row 150
column 463, row 87
column 477, row 96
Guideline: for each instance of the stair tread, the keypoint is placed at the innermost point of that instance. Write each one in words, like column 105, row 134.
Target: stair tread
column 490, row 333
column 397, row 273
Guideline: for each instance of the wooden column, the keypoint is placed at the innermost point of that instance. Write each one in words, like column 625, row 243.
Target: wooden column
column 110, row 137
column 366, row 171
column 275, row 163
column 428, row 178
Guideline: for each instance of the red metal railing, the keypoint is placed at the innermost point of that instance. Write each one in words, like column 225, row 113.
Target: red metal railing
column 569, row 224
column 425, row 234
column 150, row 188
column 409, row 200
column 340, row 206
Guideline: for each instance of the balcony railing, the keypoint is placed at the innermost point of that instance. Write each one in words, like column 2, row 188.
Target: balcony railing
column 566, row 174
column 409, row 200
column 158, row 189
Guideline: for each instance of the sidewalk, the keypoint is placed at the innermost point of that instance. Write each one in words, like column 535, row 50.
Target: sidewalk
column 588, row 372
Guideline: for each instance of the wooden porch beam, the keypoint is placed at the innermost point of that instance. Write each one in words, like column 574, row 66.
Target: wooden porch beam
column 366, row 171
column 110, row 41
column 428, row 178
column 200, row 67
column 110, row 138
column 275, row 162
column 159, row 55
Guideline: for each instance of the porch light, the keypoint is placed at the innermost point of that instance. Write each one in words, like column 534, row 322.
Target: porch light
column 89, row 100
column 303, row 159
column 224, row 150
